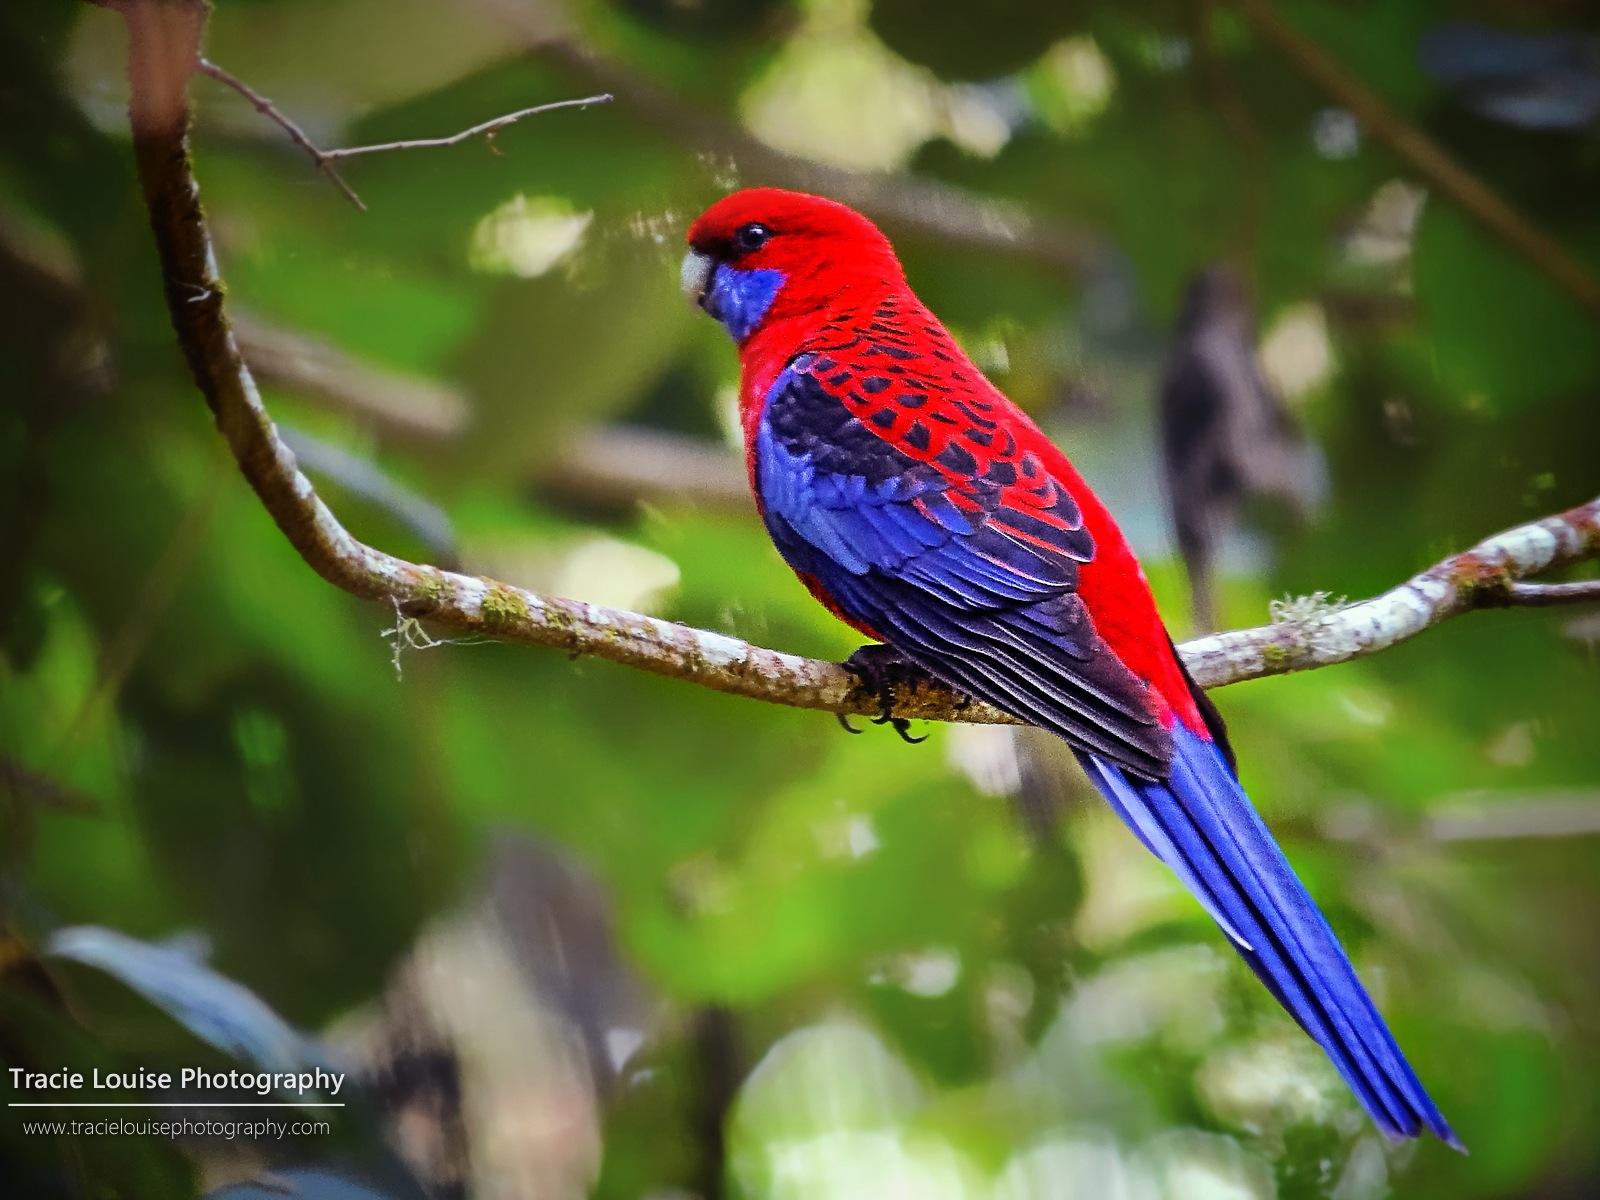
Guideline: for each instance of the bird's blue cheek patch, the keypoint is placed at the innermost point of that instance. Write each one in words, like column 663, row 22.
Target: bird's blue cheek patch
column 739, row 299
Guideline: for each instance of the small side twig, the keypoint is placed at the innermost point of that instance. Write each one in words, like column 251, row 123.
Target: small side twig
column 296, row 135
column 324, row 159
column 1544, row 595
column 486, row 130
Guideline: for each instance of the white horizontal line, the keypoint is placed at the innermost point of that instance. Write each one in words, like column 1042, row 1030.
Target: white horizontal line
column 196, row 1104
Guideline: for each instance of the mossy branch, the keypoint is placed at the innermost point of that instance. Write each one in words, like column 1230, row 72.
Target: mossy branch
column 165, row 40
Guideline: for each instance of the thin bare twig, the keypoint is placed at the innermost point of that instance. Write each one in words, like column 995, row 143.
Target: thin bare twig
column 1425, row 156
column 486, row 130
column 324, row 159
column 194, row 292
column 268, row 109
column 619, row 466
column 401, row 405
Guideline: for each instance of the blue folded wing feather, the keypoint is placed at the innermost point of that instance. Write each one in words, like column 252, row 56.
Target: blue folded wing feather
column 879, row 509
column 992, row 614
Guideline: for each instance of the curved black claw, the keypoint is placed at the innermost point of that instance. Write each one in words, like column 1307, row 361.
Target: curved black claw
column 901, row 725
column 880, row 671
column 844, row 721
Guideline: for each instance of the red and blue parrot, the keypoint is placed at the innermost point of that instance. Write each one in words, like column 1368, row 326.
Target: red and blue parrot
column 926, row 510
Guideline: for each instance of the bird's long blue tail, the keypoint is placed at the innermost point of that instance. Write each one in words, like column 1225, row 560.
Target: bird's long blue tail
column 1201, row 824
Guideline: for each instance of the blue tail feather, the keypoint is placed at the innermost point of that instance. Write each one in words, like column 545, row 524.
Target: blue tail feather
column 1201, row 824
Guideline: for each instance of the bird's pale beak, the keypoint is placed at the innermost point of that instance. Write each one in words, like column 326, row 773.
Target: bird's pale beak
column 695, row 277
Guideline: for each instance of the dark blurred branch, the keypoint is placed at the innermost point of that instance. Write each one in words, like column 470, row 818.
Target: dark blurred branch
column 324, row 159
column 314, row 368
column 1478, row 817
column 359, row 476
column 619, row 466
column 25, row 785
column 715, row 1034
column 1426, row 157
column 164, row 42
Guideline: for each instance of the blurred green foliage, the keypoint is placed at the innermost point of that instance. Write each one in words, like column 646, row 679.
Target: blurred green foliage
column 942, row 996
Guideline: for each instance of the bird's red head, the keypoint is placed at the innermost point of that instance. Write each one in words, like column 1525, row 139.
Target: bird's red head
column 764, row 256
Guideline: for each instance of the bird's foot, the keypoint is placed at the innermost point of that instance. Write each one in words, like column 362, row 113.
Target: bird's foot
column 880, row 671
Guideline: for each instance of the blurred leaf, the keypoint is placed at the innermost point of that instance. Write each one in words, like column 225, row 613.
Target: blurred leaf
column 211, row 1006
column 966, row 41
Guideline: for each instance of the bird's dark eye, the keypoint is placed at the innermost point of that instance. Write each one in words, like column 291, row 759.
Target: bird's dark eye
column 750, row 238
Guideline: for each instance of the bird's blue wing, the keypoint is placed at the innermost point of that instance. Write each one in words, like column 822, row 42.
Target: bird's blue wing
column 936, row 564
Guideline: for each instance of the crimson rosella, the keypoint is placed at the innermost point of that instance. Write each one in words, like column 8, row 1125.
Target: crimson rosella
column 926, row 510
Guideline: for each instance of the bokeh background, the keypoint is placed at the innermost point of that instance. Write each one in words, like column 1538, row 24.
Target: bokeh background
column 581, row 931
